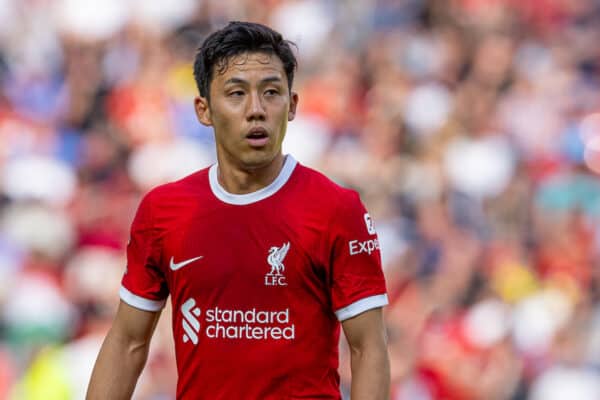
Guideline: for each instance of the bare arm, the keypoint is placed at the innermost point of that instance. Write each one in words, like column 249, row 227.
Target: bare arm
column 368, row 356
column 123, row 354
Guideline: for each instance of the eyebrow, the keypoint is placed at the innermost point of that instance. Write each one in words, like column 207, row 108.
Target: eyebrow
column 240, row 81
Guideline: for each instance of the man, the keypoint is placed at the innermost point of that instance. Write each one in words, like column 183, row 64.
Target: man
column 261, row 256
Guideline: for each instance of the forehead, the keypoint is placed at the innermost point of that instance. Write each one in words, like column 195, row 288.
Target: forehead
column 248, row 64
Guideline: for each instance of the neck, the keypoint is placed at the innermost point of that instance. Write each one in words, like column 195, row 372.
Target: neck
column 239, row 180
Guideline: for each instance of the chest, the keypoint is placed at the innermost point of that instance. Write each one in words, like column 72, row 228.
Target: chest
column 255, row 254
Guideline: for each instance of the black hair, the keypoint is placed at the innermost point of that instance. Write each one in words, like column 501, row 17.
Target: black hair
column 238, row 38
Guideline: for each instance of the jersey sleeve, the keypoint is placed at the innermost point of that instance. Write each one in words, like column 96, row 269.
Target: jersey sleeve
column 357, row 281
column 143, row 285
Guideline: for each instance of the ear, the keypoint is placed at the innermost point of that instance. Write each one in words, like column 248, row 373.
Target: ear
column 202, row 110
column 293, row 105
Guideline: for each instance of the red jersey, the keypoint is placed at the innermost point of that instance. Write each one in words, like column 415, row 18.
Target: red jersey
column 258, row 282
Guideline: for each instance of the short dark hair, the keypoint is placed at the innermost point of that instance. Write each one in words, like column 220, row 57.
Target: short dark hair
column 238, row 38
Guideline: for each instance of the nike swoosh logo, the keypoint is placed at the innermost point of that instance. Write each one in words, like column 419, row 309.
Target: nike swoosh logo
column 175, row 266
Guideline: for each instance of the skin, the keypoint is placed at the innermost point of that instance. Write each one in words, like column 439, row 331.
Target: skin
column 252, row 92
column 123, row 354
column 369, row 359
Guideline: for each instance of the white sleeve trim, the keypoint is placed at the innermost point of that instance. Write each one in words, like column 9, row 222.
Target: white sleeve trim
column 362, row 305
column 140, row 302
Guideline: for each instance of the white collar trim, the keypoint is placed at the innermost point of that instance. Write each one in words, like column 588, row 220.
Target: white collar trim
column 243, row 199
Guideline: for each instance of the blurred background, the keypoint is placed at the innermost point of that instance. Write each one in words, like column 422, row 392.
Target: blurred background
column 471, row 128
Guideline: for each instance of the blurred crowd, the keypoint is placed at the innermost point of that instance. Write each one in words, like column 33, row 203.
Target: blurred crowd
column 471, row 129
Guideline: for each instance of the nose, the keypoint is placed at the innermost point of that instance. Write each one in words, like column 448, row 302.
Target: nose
column 256, row 110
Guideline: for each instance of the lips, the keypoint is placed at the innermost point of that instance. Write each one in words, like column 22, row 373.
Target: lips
column 257, row 137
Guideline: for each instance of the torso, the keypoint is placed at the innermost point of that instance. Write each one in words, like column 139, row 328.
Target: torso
column 250, row 287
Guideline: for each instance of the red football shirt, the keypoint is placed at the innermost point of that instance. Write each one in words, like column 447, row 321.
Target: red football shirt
column 258, row 282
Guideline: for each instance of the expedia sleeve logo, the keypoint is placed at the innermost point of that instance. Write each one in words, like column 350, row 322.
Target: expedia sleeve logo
column 367, row 246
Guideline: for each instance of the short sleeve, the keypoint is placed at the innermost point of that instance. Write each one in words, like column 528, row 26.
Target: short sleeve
column 357, row 281
column 143, row 285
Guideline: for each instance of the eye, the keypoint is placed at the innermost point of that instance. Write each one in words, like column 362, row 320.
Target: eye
column 271, row 92
column 236, row 93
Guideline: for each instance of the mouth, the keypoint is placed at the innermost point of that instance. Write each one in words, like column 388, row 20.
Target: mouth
column 257, row 137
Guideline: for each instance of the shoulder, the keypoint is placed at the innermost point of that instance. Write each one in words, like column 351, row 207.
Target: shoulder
column 326, row 195
column 194, row 184
column 176, row 199
column 324, row 187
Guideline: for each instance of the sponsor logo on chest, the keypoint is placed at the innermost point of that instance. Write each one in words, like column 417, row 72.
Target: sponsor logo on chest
column 235, row 324
column 240, row 324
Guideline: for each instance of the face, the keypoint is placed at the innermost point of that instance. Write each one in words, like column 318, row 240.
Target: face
column 249, row 108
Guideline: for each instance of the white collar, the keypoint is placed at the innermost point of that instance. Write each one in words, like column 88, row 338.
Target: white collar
column 289, row 164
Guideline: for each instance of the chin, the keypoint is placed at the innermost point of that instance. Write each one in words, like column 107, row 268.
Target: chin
column 258, row 160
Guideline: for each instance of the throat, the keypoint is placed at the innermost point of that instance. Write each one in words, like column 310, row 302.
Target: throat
column 240, row 180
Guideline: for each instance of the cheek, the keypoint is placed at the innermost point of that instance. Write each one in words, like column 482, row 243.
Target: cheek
column 223, row 120
column 280, row 112
column 284, row 117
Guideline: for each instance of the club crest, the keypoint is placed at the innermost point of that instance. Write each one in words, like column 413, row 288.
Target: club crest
column 275, row 276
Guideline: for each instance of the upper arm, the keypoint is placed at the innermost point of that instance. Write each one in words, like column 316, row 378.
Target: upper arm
column 123, row 354
column 369, row 359
column 365, row 330
column 357, row 283
column 134, row 325
column 144, row 284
